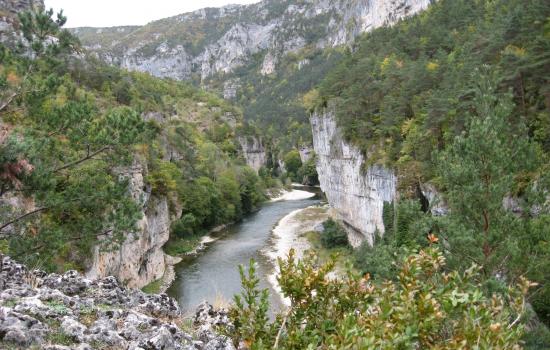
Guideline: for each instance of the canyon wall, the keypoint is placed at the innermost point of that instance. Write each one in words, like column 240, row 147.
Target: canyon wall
column 356, row 195
column 218, row 40
column 139, row 260
column 253, row 151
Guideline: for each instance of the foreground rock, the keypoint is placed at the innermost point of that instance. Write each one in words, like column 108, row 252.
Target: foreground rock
column 51, row 311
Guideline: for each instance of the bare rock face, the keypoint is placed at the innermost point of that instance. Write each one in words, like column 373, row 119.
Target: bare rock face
column 52, row 311
column 438, row 206
column 306, row 152
column 230, row 89
column 140, row 258
column 357, row 196
column 253, row 151
column 16, row 6
column 8, row 16
column 268, row 29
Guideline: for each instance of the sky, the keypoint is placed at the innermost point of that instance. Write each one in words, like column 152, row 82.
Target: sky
column 108, row 13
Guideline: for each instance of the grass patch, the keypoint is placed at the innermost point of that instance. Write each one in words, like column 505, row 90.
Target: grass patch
column 87, row 316
column 153, row 287
column 105, row 307
column 60, row 338
column 182, row 246
column 10, row 303
column 58, row 307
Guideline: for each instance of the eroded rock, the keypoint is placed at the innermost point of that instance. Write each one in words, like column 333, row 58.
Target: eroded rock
column 69, row 311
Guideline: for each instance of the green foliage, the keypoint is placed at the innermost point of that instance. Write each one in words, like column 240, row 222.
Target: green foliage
column 182, row 246
column 308, row 172
column 426, row 308
column 153, row 287
column 250, row 311
column 478, row 171
column 404, row 91
column 293, row 163
column 62, row 152
column 333, row 235
column 164, row 177
column 185, row 226
column 402, row 222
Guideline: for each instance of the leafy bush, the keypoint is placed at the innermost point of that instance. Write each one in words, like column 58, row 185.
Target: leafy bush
column 186, row 226
column 292, row 164
column 308, row 172
column 333, row 235
column 164, row 177
column 426, row 308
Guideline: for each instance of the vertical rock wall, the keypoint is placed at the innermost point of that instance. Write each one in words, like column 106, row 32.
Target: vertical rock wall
column 140, row 259
column 253, row 151
column 355, row 195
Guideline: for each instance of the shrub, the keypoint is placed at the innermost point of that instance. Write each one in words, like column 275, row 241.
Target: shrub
column 164, row 177
column 333, row 235
column 425, row 308
column 293, row 164
column 186, row 226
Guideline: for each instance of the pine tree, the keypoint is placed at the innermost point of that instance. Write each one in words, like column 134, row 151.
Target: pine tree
column 478, row 170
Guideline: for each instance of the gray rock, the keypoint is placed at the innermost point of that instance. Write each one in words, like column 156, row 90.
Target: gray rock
column 20, row 329
column 97, row 312
column 73, row 328
column 220, row 343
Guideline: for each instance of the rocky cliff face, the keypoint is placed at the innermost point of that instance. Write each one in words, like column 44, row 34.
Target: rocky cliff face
column 253, row 151
column 8, row 15
column 357, row 196
column 211, row 41
column 15, row 6
column 140, row 258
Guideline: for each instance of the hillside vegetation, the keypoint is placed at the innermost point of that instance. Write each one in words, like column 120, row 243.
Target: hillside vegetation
column 457, row 96
column 72, row 127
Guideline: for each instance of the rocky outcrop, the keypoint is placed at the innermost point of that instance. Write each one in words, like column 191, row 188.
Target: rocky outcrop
column 68, row 311
column 139, row 260
column 230, row 89
column 266, row 29
column 436, row 203
column 253, row 151
column 166, row 62
column 356, row 195
column 15, row 6
column 8, row 17
column 306, row 152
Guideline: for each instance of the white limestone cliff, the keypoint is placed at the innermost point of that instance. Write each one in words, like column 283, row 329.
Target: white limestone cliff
column 256, row 29
column 357, row 196
column 138, row 260
column 253, row 151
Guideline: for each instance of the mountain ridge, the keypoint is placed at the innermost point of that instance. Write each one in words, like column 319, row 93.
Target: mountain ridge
column 200, row 44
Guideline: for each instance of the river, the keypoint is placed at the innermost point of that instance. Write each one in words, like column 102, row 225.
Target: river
column 213, row 274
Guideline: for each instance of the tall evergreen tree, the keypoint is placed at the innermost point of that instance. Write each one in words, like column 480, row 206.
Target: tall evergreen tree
column 479, row 170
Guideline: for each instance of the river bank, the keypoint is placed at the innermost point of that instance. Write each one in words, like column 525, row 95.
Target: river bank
column 290, row 233
column 213, row 275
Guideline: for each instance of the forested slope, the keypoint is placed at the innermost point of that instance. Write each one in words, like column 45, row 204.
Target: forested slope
column 73, row 126
column 457, row 97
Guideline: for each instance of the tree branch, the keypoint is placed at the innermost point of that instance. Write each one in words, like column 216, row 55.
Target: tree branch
column 22, row 217
column 71, row 239
column 82, row 160
column 9, row 100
